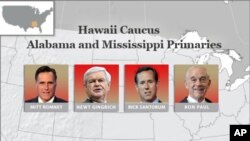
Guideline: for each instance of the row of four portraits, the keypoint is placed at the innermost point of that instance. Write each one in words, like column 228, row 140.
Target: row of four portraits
column 97, row 88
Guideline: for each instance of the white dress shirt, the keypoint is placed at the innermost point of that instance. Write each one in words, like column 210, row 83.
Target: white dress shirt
column 50, row 101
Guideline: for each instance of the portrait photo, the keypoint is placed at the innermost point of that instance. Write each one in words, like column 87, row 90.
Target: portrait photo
column 146, row 83
column 46, row 83
column 96, row 83
column 196, row 83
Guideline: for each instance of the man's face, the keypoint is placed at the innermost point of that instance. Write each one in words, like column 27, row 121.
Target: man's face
column 146, row 86
column 197, row 83
column 46, row 85
column 97, row 86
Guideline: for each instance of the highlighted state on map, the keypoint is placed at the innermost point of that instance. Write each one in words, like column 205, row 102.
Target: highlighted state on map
column 26, row 18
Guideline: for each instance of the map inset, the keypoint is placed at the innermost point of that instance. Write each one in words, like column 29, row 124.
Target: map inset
column 25, row 16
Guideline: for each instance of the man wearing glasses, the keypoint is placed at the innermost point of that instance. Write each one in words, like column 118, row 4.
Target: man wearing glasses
column 197, row 82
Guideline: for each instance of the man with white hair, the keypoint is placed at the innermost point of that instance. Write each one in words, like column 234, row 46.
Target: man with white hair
column 97, row 84
column 197, row 82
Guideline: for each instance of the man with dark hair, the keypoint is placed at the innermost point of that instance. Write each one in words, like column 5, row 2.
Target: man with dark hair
column 146, row 84
column 46, row 79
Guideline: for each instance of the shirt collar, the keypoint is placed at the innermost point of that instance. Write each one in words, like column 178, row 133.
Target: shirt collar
column 156, row 100
column 95, row 101
column 50, row 101
column 192, row 100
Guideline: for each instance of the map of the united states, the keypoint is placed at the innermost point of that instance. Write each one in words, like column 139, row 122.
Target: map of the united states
column 25, row 16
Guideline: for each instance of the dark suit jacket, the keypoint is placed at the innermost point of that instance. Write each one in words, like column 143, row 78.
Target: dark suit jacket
column 159, row 101
column 88, row 101
column 186, row 101
column 56, row 100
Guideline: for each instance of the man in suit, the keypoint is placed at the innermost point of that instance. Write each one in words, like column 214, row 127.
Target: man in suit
column 46, row 78
column 146, row 84
column 197, row 82
column 97, row 82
